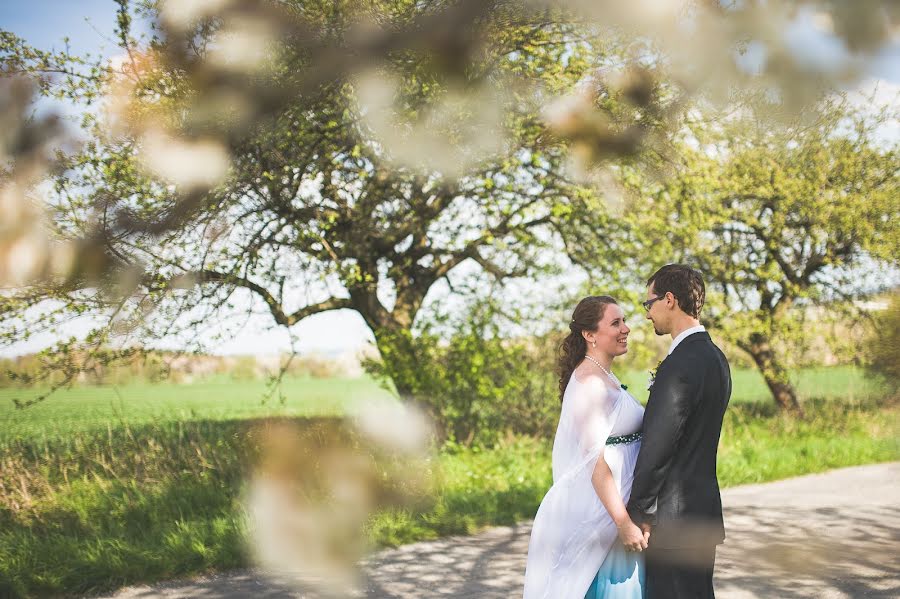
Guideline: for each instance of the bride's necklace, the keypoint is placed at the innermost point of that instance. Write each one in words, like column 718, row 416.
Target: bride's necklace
column 605, row 371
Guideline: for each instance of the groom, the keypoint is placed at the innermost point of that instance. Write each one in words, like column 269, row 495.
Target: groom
column 675, row 494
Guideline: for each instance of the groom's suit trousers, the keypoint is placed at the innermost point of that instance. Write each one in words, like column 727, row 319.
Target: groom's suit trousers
column 683, row 573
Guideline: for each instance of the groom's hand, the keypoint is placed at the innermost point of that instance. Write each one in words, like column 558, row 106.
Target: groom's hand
column 645, row 528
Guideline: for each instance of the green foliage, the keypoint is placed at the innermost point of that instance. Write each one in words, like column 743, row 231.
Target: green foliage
column 828, row 383
column 476, row 488
column 313, row 195
column 884, row 347
column 507, row 483
column 113, row 533
column 93, row 511
column 104, row 367
column 96, row 510
column 58, row 73
column 148, row 367
column 244, row 369
column 780, row 218
column 476, row 386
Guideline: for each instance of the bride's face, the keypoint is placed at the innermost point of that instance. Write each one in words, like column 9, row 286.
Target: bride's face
column 612, row 332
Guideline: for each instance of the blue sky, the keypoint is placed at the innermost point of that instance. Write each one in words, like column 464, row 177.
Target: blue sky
column 44, row 23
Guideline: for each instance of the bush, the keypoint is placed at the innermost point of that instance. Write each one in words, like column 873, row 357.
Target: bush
column 477, row 387
column 316, row 367
column 135, row 365
column 884, row 349
column 244, row 369
column 87, row 367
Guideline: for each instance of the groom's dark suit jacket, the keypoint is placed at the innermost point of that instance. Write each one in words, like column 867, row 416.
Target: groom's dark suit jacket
column 675, row 487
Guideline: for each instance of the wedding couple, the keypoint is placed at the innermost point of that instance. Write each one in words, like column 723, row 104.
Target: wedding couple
column 634, row 510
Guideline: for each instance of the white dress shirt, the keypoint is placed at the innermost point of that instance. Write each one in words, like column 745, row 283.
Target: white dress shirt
column 683, row 334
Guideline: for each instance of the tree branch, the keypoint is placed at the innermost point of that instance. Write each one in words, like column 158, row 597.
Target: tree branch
column 200, row 277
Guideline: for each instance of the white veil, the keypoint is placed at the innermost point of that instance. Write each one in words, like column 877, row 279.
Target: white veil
column 572, row 531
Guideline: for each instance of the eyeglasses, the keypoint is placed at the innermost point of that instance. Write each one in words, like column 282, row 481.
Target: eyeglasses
column 649, row 302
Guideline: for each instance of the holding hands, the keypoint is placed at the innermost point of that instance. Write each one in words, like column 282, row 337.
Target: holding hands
column 633, row 537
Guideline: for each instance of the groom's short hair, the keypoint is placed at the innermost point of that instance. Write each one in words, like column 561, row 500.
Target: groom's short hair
column 684, row 282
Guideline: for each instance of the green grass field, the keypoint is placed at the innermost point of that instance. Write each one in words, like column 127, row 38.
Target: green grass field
column 103, row 487
column 83, row 409
column 826, row 382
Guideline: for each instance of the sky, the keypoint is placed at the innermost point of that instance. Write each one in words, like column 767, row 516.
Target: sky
column 90, row 24
column 45, row 23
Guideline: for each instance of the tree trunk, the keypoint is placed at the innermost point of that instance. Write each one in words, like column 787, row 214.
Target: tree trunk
column 402, row 365
column 774, row 373
column 400, row 362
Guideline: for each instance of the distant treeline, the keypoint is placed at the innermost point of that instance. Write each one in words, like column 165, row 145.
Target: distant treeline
column 818, row 337
column 156, row 366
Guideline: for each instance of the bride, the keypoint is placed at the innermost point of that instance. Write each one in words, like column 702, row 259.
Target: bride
column 583, row 543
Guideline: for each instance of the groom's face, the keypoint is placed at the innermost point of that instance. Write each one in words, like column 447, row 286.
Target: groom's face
column 656, row 314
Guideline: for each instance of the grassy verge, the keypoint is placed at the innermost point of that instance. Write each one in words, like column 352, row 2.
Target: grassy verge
column 761, row 445
column 98, row 510
column 505, row 485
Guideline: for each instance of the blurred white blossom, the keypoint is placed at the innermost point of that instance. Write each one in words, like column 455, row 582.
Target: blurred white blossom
column 24, row 243
column 182, row 14
column 451, row 134
column 394, row 425
column 187, row 164
column 315, row 488
column 24, row 257
column 243, row 45
column 297, row 539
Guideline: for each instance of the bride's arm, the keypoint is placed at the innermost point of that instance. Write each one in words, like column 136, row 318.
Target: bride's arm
column 605, row 487
column 593, row 413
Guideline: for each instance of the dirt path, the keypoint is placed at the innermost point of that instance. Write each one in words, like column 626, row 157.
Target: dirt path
column 827, row 536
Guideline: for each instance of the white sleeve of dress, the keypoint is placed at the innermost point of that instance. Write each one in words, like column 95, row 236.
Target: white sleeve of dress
column 592, row 416
column 572, row 531
column 587, row 418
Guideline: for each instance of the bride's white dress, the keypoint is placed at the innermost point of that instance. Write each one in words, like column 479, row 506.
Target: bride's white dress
column 573, row 533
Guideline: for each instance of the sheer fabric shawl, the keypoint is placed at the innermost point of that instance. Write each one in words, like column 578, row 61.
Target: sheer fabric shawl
column 572, row 531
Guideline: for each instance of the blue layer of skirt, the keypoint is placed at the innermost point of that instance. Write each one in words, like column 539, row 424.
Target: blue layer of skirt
column 620, row 577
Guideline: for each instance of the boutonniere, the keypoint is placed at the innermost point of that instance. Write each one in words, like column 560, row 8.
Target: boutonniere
column 653, row 375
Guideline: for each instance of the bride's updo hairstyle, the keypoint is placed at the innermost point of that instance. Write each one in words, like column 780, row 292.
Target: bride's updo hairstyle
column 573, row 348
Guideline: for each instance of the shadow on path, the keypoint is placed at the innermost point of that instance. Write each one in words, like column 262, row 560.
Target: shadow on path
column 826, row 536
